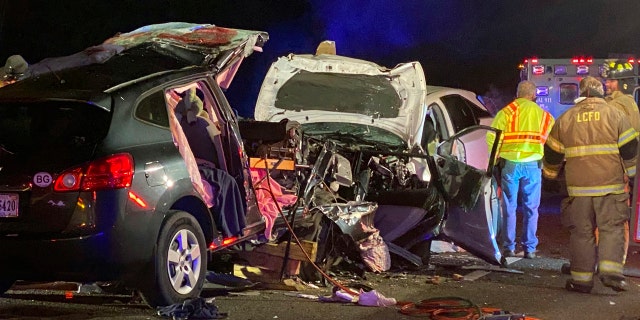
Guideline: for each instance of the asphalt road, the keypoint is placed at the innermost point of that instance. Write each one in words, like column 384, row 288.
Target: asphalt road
column 531, row 287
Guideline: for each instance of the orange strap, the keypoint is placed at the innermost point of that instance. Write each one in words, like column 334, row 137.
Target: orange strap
column 448, row 308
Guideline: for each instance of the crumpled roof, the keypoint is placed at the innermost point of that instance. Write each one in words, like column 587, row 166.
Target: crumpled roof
column 125, row 57
column 206, row 38
column 201, row 35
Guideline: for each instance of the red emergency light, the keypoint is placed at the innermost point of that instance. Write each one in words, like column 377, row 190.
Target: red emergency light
column 582, row 60
column 631, row 60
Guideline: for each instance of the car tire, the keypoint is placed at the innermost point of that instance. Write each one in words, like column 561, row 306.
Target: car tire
column 6, row 284
column 179, row 262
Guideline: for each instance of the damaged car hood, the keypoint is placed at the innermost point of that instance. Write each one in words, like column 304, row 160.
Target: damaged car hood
column 332, row 88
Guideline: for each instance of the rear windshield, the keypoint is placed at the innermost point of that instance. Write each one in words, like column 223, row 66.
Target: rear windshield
column 352, row 93
column 50, row 125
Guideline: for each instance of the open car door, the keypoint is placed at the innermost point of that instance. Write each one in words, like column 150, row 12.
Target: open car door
column 472, row 195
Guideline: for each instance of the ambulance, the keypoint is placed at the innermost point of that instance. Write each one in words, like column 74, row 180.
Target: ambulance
column 557, row 79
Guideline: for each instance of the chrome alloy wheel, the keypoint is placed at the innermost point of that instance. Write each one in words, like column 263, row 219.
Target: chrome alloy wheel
column 184, row 261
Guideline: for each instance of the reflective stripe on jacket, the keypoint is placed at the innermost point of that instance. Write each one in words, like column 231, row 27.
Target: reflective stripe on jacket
column 592, row 136
column 525, row 127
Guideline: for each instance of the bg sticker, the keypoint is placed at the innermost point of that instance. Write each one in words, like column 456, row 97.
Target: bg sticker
column 42, row 179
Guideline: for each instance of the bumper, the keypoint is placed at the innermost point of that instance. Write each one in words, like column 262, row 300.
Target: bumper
column 88, row 258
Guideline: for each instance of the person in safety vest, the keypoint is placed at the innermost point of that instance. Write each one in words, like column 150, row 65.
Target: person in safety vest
column 525, row 127
column 596, row 139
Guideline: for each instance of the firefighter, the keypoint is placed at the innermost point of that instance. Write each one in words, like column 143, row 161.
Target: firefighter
column 525, row 127
column 619, row 83
column 599, row 140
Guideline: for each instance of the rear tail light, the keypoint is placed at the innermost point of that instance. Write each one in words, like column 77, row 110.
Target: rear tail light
column 112, row 172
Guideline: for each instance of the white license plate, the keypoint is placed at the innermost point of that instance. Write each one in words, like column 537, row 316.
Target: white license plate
column 8, row 205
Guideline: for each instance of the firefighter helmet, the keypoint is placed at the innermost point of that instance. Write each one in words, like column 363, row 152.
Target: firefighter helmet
column 617, row 69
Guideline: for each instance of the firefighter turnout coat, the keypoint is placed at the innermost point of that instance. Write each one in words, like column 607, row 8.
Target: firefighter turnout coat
column 599, row 145
column 625, row 103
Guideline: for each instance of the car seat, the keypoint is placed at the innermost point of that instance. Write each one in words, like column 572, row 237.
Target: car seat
column 200, row 132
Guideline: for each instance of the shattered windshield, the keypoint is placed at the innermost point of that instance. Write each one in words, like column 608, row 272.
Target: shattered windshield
column 352, row 132
column 352, row 93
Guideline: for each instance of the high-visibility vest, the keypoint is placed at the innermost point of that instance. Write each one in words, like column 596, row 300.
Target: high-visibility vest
column 525, row 128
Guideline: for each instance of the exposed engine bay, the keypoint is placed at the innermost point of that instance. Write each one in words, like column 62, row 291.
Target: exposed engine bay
column 343, row 176
column 373, row 169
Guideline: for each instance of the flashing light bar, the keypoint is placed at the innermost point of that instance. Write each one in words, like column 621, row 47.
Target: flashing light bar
column 582, row 60
column 532, row 61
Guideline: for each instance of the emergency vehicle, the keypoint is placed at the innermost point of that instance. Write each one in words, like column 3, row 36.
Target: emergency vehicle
column 557, row 79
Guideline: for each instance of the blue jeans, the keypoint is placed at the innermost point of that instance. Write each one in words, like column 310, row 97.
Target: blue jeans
column 524, row 179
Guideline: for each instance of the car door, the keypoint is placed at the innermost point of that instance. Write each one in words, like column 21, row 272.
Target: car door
column 473, row 206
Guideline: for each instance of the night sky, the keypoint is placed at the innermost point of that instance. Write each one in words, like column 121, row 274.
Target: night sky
column 475, row 45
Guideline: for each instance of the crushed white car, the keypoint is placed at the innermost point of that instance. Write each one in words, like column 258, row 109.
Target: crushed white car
column 409, row 151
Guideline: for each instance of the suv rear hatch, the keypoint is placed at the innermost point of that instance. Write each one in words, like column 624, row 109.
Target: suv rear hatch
column 38, row 142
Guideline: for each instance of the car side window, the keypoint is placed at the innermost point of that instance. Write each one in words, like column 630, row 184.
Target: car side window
column 153, row 109
column 462, row 116
column 477, row 112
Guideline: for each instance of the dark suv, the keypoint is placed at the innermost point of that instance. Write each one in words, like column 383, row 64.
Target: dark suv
column 98, row 180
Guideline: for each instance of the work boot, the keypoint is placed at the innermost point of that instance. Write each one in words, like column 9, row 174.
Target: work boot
column 529, row 255
column 508, row 253
column 578, row 287
column 614, row 282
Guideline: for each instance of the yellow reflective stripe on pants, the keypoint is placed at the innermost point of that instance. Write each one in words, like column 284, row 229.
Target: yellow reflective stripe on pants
column 586, row 277
column 610, row 267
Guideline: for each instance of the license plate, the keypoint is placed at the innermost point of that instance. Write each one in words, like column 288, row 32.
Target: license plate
column 8, row 205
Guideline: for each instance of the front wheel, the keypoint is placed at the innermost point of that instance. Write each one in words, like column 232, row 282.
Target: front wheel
column 179, row 262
